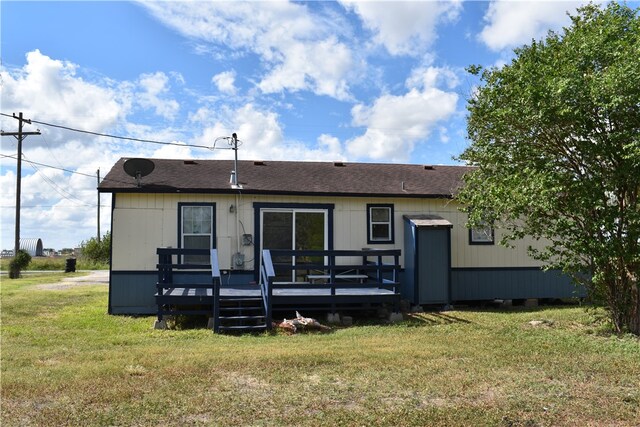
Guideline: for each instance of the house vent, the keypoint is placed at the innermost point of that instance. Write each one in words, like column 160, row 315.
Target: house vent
column 190, row 162
column 258, row 163
column 339, row 164
column 428, row 167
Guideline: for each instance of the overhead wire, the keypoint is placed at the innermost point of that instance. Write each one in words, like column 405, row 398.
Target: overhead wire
column 125, row 138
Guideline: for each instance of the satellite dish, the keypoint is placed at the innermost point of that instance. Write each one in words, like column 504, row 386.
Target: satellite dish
column 137, row 168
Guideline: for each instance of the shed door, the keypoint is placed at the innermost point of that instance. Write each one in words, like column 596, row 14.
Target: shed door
column 433, row 264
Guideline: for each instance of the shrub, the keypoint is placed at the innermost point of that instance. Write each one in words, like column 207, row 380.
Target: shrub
column 96, row 251
column 18, row 263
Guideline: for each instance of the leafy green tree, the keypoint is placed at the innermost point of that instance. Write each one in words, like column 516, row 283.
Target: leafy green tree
column 555, row 136
column 97, row 251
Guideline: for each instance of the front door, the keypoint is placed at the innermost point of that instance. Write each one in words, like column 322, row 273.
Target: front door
column 297, row 229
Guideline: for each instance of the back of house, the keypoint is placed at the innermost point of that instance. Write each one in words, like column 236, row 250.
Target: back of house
column 313, row 205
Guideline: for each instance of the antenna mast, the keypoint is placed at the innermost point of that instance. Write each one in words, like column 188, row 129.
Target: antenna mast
column 234, row 175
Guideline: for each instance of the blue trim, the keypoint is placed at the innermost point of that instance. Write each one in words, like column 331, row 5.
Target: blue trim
column 391, row 224
column 497, row 268
column 113, row 207
column 449, row 286
column 257, row 206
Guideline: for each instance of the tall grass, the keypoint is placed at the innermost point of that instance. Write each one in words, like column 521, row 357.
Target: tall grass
column 66, row 362
column 56, row 264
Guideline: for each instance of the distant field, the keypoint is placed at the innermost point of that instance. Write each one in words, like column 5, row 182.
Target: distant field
column 57, row 263
column 66, row 362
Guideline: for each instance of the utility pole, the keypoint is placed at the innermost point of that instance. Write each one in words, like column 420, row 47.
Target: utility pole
column 98, row 174
column 20, row 135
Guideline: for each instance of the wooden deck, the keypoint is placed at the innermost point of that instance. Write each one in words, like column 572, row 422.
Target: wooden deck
column 332, row 286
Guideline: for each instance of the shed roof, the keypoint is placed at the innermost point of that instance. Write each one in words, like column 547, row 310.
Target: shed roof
column 283, row 177
column 428, row 220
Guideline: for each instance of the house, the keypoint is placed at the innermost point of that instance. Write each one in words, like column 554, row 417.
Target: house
column 313, row 205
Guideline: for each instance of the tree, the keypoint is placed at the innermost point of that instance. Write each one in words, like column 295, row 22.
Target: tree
column 555, row 136
column 97, row 251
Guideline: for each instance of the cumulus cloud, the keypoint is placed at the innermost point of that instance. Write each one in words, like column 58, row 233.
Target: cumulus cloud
column 225, row 82
column 51, row 88
column 299, row 50
column 153, row 88
column 396, row 123
column 261, row 135
column 404, row 28
column 513, row 23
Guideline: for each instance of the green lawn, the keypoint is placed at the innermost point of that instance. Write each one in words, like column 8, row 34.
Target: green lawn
column 66, row 362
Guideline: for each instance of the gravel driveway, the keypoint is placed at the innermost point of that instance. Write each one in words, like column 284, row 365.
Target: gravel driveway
column 95, row 277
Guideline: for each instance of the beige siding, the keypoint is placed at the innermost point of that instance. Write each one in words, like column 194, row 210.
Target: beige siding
column 143, row 222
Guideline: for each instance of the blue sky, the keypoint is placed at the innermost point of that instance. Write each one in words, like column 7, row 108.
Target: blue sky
column 357, row 81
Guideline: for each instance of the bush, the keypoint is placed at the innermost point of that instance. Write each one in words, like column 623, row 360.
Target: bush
column 18, row 263
column 96, row 251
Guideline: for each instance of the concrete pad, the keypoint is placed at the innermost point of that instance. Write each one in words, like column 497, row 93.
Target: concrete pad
column 333, row 318
column 160, row 324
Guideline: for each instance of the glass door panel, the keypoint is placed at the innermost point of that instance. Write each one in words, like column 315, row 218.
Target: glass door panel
column 277, row 233
column 294, row 229
column 309, row 235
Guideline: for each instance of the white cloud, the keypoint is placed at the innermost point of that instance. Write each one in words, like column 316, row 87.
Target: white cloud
column 225, row 82
column 280, row 33
column 514, row 23
column 404, row 28
column 50, row 88
column 154, row 86
column 396, row 123
column 262, row 137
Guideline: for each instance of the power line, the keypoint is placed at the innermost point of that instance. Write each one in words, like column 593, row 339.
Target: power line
column 66, row 170
column 126, row 138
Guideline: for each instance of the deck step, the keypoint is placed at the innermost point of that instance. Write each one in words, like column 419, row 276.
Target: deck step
column 241, row 328
column 237, row 309
column 241, row 317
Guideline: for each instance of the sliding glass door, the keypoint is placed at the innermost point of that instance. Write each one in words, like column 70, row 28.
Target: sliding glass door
column 298, row 229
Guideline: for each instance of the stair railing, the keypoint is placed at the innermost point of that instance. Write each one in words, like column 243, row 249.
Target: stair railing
column 215, row 283
column 267, row 275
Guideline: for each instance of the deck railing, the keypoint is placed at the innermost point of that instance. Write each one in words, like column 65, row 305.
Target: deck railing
column 171, row 260
column 319, row 269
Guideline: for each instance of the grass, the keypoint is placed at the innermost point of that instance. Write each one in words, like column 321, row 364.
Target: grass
column 57, row 263
column 66, row 362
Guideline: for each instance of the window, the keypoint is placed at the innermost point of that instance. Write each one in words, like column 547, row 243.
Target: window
column 482, row 235
column 380, row 224
column 196, row 229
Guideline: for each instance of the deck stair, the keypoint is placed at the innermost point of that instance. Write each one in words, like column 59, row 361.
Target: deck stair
column 241, row 314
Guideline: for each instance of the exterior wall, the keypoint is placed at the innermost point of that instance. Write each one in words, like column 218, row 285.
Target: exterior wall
column 144, row 222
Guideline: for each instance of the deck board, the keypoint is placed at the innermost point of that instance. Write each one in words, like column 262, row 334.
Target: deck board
column 231, row 292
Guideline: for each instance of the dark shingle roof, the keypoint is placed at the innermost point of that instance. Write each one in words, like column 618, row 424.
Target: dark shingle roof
column 299, row 178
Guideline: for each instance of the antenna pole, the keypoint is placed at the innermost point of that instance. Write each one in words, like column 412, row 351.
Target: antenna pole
column 234, row 138
column 20, row 135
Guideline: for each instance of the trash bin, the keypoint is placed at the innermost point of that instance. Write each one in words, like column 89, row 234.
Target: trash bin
column 70, row 266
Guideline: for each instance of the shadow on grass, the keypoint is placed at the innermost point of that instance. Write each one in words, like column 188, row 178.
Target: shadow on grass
column 433, row 318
